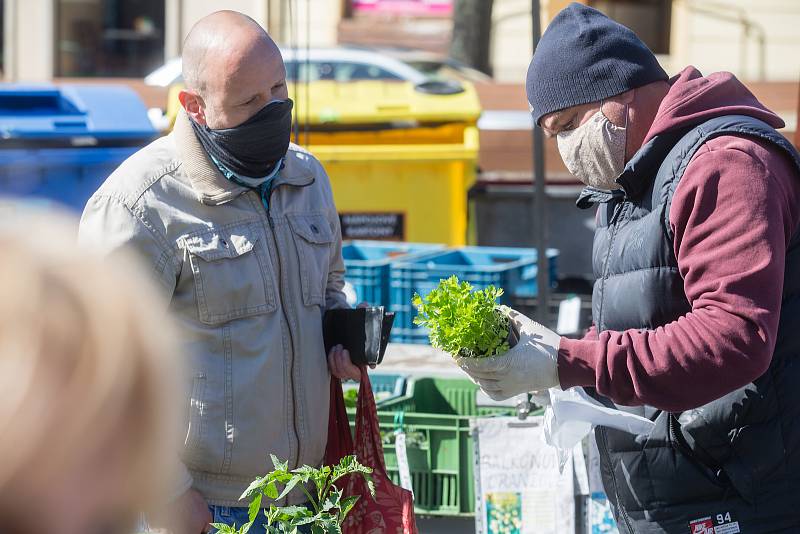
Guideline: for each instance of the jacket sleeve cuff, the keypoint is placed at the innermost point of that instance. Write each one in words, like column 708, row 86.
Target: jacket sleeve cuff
column 576, row 362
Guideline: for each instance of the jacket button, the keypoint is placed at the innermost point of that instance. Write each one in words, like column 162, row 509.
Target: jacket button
column 314, row 229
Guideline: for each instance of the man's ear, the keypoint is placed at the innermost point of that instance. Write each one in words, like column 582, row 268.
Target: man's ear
column 194, row 106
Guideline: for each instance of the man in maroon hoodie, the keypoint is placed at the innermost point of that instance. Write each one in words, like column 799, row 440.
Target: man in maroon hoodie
column 697, row 299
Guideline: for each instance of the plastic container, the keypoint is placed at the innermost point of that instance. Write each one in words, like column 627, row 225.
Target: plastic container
column 386, row 387
column 401, row 161
column 58, row 144
column 367, row 264
column 513, row 269
column 435, row 415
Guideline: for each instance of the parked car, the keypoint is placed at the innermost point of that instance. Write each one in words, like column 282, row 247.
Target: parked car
column 316, row 67
column 435, row 65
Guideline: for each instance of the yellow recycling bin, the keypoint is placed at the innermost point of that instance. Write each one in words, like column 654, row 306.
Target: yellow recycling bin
column 401, row 160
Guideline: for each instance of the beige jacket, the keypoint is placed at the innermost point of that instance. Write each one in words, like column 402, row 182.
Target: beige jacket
column 247, row 287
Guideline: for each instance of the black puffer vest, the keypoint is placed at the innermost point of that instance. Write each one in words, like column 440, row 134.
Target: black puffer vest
column 735, row 461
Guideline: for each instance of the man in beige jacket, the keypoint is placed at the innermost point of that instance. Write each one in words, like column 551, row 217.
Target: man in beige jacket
column 240, row 229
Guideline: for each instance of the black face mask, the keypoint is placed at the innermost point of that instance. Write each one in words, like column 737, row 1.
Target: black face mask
column 254, row 147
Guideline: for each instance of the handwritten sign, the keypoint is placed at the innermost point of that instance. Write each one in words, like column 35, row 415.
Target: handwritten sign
column 518, row 487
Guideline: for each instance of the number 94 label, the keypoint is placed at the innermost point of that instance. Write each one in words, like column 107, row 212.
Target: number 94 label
column 722, row 523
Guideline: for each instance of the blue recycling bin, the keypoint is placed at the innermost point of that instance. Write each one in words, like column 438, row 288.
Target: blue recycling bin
column 58, row 144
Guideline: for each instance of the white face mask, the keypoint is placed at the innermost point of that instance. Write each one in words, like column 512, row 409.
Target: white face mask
column 594, row 152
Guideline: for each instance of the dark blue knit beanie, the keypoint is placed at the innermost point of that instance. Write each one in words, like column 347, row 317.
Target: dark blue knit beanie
column 586, row 57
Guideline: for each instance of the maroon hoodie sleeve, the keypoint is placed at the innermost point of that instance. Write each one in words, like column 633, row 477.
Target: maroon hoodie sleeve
column 733, row 214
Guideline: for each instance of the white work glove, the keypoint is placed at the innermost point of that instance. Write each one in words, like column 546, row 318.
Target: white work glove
column 530, row 365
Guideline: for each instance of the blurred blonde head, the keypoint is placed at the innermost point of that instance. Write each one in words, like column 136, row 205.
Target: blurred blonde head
column 87, row 375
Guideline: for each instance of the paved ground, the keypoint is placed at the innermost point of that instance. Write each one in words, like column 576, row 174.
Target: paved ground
column 422, row 360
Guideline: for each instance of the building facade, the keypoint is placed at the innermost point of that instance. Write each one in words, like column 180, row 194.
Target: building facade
column 45, row 39
column 755, row 39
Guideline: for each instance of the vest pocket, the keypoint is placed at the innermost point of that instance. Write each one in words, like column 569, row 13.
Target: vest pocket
column 313, row 238
column 230, row 269
column 724, row 475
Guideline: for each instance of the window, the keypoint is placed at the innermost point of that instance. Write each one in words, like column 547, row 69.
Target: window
column 109, row 37
column 363, row 71
column 650, row 19
column 340, row 71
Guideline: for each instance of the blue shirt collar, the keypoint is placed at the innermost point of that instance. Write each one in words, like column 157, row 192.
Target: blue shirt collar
column 247, row 181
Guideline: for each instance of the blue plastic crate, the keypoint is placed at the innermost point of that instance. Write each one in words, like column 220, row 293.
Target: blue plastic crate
column 367, row 264
column 58, row 144
column 513, row 269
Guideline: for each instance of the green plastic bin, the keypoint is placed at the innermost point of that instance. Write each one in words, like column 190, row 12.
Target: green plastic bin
column 435, row 414
column 386, row 387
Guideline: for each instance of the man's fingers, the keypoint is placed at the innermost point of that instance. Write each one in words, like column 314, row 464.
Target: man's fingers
column 481, row 367
column 494, row 390
column 340, row 365
column 333, row 361
column 489, row 385
column 350, row 369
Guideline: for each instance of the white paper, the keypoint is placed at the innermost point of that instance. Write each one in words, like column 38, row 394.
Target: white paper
column 569, row 316
column 572, row 414
column 402, row 461
column 518, row 484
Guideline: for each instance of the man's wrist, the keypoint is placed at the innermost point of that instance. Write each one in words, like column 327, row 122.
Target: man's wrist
column 576, row 362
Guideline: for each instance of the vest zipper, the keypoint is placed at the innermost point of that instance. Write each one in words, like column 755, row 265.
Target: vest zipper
column 607, row 457
column 617, row 211
column 266, row 201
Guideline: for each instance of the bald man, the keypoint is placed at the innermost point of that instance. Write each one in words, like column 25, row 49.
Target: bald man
column 239, row 228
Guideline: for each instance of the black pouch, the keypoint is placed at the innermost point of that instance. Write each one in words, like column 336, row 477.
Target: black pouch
column 364, row 332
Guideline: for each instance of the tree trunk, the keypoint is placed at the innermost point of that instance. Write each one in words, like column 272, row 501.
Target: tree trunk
column 472, row 28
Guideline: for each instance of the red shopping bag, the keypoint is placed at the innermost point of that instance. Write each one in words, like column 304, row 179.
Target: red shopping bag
column 392, row 510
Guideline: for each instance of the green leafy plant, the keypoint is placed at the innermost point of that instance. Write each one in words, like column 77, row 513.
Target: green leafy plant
column 328, row 506
column 351, row 398
column 462, row 321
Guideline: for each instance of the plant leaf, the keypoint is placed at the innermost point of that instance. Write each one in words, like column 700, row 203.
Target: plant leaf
column 347, row 505
column 253, row 488
column 278, row 465
column 254, row 508
column 271, row 491
column 295, row 480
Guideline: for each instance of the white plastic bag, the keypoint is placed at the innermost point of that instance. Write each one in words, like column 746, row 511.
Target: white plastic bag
column 572, row 414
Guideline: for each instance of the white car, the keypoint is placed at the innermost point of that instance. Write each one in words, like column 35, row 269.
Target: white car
column 338, row 64
column 341, row 64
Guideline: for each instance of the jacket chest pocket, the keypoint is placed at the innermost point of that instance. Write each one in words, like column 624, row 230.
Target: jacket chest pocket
column 313, row 238
column 230, row 267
